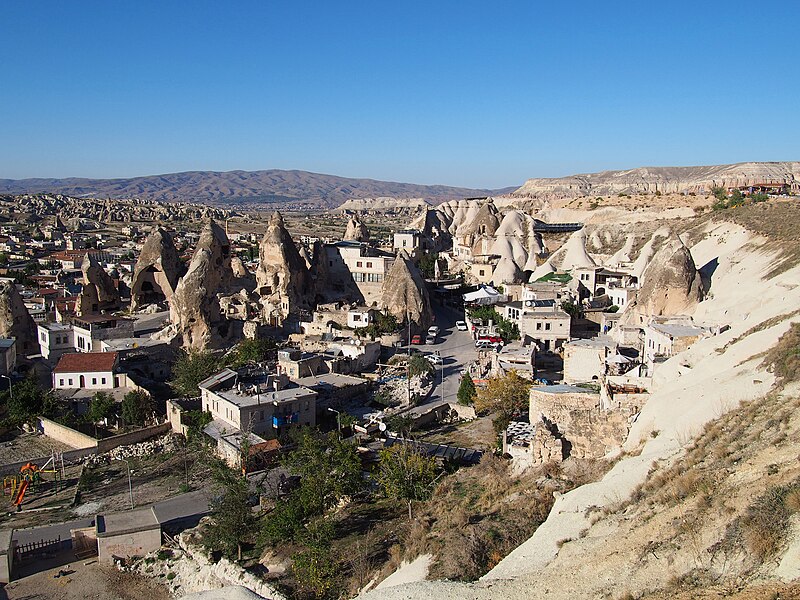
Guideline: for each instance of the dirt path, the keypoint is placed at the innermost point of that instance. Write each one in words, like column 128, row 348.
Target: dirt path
column 87, row 582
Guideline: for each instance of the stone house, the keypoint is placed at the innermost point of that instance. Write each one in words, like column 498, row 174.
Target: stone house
column 666, row 339
column 352, row 263
column 585, row 360
column 547, row 327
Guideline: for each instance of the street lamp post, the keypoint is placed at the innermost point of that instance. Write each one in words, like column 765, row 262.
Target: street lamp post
column 130, row 484
column 338, row 421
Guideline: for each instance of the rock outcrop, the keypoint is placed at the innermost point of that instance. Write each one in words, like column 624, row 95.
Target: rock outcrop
column 195, row 315
column 671, row 284
column 649, row 180
column 282, row 280
column 404, row 293
column 99, row 293
column 15, row 321
column 157, row 271
column 356, row 230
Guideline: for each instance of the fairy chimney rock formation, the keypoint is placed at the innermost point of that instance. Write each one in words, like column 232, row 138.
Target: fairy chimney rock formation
column 282, row 278
column 671, row 284
column 356, row 230
column 404, row 292
column 157, row 271
column 195, row 313
column 15, row 321
column 99, row 292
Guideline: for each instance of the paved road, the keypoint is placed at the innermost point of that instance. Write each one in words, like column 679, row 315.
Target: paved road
column 457, row 350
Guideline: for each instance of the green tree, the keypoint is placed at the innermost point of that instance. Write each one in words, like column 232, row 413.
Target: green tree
column 137, row 407
column 427, row 265
column 232, row 519
column 27, row 401
column 101, row 406
column 253, row 351
column 190, row 369
column 504, row 396
column 405, row 473
column 419, row 365
column 329, row 470
column 315, row 568
column 466, row 390
column 573, row 309
column 402, row 424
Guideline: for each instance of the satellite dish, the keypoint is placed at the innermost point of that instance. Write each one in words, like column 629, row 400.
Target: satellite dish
column 529, row 303
column 382, row 426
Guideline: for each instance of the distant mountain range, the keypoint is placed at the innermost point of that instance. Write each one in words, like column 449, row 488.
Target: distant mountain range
column 244, row 189
column 675, row 180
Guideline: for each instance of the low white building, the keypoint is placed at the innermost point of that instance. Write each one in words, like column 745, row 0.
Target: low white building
column 90, row 330
column 88, row 371
column 360, row 316
column 548, row 327
column 55, row 339
column 666, row 339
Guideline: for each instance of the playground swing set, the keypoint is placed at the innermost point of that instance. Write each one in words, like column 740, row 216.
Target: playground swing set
column 30, row 478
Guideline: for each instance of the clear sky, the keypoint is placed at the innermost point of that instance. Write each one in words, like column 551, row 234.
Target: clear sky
column 482, row 94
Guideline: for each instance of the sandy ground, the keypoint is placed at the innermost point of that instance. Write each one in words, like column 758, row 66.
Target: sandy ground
column 87, row 582
column 28, row 446
column 408, row 572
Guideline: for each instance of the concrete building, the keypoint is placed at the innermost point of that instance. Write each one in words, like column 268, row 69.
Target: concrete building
column 55, row 339
column 666, row 339
column 548, row 327
column 127, row 534
column 358, row 264
column 585, row 360
column 89, row 330
column 361, row 316
column 410, row 240
column 253, row 401
column 90, row 371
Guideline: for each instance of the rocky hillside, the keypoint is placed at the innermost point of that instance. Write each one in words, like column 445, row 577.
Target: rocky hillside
column 286, row 189
column 705, row 500
column 649, row 180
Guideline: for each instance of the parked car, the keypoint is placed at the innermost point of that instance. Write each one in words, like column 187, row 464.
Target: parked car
column 434, row 359
column 431, row 339
column 481, row 344
column 461, row 325
column 417, row 339
column 494, row 339
column 433, row 330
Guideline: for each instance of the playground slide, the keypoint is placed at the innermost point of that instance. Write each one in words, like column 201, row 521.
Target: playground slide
column 21, row 493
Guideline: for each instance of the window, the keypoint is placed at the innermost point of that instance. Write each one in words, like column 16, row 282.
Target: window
column 70, row 382
column 61, row 382
column 481, row 272
column 103, row 380
column 547, row 326
column 538, row 326
column 404, row 243
column 358, row 263
column 369, row 265
column 94, row 380
column 44, row 337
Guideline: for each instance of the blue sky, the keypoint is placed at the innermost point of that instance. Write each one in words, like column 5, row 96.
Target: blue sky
column 462, row 93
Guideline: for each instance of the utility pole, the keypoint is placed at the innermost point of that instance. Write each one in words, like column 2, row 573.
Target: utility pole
column 338, row 421
column 130, row 485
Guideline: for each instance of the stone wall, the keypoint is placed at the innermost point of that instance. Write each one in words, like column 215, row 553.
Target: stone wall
column 588, row 430
column 133, row 437
column 66, row 435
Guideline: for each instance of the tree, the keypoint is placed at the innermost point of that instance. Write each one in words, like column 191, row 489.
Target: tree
column 102, row 406
column 505, row 397
column 136, row 408
column 253, row 351
column 427, row 265
column 402, row 424
column 573, row 309
column 329, row 470
column 315, row 568
column 405, row 473
column 190, row 369
column 232, row 519
column 27, row 401
column 466, row 390
column 419, row 365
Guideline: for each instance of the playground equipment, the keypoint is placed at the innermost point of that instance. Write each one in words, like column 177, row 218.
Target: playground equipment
column 30, row 477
